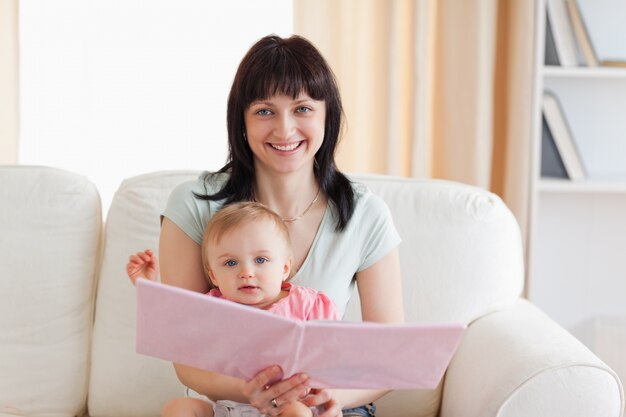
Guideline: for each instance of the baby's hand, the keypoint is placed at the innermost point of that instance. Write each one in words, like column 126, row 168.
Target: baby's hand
column 142, row 265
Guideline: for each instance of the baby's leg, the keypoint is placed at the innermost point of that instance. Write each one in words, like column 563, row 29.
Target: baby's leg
column 187, row 407
column 296, row 409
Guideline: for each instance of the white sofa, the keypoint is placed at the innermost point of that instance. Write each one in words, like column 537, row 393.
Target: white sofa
column 67, row 308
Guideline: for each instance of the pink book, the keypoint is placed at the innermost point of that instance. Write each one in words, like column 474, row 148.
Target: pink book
column 221, row 336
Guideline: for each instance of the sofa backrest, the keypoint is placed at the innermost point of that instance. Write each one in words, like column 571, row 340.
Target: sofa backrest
column 123, row 383
column 461, row 258
column 461, row 253
column 50, row 230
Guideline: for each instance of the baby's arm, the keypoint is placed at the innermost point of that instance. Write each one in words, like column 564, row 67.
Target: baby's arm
column 142, row 265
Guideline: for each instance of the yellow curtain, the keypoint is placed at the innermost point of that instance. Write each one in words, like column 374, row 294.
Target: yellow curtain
column 8, row 82
column 433, row 88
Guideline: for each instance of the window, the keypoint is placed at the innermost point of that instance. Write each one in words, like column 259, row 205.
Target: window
column 112, row 89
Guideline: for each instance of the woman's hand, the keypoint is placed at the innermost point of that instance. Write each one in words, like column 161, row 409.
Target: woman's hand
column 270, row 394
column 324, row 398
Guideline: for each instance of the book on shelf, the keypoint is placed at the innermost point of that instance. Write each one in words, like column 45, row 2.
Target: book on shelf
column 562, row 136
column 562, row 33
column 613, row 63
column 551, row 57
column 551, row 162
column 581, row 34
column 604, row 20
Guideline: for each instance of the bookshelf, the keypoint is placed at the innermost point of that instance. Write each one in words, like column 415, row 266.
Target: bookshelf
column 577, row 235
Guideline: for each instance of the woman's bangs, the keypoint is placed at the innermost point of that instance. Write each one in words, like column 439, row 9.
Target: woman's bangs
column 289, row 79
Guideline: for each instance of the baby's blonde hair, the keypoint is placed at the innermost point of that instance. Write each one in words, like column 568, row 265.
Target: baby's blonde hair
column 236, row 215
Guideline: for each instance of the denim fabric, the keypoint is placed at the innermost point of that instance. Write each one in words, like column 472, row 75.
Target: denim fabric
column 226, row 408
column 368, row 410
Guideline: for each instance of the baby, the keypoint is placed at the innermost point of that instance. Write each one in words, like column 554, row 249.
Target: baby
column 246, row 254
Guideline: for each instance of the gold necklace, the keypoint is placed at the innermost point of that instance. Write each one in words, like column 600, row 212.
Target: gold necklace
column 293, row 219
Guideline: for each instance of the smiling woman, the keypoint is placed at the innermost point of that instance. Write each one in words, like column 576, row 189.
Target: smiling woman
column 284, row 117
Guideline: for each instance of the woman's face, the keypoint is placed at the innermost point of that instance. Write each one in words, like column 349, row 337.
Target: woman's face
column 285, row 133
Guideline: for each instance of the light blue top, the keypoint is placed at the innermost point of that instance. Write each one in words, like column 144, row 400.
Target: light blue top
column 334, row 257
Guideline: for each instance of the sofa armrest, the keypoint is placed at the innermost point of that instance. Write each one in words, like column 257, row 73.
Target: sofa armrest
column 518, row 362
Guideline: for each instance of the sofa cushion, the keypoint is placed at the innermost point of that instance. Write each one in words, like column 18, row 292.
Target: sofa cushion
column 461, row 252
column 124, row 383
column 50, row 223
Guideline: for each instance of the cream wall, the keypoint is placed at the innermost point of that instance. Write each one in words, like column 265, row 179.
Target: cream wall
column 9, row 124
column 112, row 90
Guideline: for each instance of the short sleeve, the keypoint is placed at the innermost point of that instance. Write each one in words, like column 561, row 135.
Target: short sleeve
column 186, row 211
column 323, row 308
column 378, row 232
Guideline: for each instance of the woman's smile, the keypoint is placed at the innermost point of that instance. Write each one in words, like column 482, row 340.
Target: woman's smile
column 286, row 147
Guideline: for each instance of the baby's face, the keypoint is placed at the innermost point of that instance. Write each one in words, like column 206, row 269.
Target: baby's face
column 249, row 263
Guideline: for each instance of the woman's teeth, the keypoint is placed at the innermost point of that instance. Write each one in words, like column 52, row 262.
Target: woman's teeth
column 285, row 148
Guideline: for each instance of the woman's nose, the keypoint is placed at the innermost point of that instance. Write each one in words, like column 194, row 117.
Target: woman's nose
column 285, row 126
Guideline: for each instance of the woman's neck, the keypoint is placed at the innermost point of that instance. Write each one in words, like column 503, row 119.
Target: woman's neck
column 289, row 195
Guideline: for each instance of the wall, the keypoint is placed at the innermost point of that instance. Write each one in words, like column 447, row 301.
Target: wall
column 112, row 89
column 8, row 82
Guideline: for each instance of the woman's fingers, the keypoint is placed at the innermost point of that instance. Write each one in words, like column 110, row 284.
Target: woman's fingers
column 282, row 393
column 267, row 392
column 262, row 380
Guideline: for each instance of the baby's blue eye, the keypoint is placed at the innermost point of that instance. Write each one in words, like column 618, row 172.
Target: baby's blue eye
column 260, row 260
column 231, row 263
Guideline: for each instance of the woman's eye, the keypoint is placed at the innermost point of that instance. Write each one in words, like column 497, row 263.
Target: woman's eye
column 264, row 112
column 230, row 263
column 303, row 109
column 260, row 260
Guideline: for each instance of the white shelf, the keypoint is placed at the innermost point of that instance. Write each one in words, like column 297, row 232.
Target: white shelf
column 590, row 186
column 576, row 261
column 594, row 103
column 584, row 72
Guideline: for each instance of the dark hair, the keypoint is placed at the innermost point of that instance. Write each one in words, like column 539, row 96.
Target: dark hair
column 288, row 66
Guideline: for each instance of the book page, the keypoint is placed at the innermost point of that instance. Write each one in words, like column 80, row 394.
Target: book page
column 374, row 355
column 222, row 336
column 208, row 333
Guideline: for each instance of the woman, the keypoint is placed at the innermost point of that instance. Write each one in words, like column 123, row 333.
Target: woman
column 284, row 119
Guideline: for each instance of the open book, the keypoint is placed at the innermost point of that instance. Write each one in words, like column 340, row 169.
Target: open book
column 217, row 335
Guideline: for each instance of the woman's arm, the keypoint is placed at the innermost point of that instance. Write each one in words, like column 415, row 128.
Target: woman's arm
column 380, row 290
column 181, row 259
